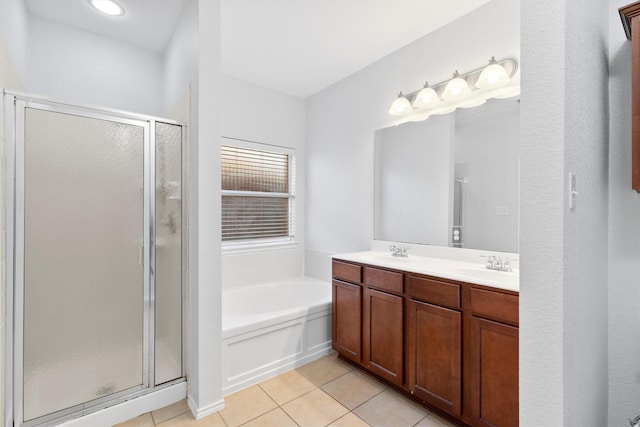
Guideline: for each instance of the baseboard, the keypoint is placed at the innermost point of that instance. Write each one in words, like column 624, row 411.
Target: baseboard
column 199, row 413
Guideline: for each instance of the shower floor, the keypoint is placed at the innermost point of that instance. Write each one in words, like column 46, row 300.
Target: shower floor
column 84, row 378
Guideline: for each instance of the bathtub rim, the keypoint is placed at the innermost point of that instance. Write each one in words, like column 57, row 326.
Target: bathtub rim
column 260, row 321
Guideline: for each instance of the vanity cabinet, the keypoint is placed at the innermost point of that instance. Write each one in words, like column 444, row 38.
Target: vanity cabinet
column 383, row 324
column 451, row 345
column 347, row 310
column 494, row 358
column 434, row 344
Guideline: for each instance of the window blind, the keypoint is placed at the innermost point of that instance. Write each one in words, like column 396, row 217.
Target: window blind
column 257, row 199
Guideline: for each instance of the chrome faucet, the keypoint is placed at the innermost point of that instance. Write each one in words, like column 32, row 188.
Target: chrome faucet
column 399, row 251
column 499, row 264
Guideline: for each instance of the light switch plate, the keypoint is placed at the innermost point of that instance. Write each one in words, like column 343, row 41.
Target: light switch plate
column 502, row 210
column 572, row 191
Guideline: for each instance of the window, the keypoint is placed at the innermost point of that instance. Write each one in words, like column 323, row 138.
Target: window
column 258, row 193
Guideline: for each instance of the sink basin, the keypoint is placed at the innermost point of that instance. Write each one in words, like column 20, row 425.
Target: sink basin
column 383, row 257
column 487, row 274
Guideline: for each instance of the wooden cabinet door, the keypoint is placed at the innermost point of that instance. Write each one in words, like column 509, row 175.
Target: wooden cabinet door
column 494, row 373
column 434, row 346
column 382, row 335
column 347, row 320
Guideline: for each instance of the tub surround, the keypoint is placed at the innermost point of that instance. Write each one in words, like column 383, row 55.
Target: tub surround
column 444, row 331
column 271, row 328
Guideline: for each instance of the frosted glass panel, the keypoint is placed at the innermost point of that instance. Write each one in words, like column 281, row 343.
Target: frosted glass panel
column 168, row 252
column 83, row 280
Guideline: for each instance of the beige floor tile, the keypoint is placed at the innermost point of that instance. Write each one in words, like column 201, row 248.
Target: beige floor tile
column 371, row 378
column 435, row 421
column 275, row 418
column 144, row 420
column 429, row 422
column 349, row 420
column 315, row 409
column 322, row 370
column 170, row 411
column 406, row 400
column 387, row 409
column 351, row 390
column 246, row 405
column 334, row 356
column 287, row 386
column 187, row 420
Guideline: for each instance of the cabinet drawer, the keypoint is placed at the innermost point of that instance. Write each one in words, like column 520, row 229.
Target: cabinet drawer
column 384, row 279
column 347, row 272
column 494, row 305
column 434, row 291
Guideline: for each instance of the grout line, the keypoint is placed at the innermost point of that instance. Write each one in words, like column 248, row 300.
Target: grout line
column 289, row 416
column 291, row 400
column 357, row 372
column 222, row 418
column 421, row 420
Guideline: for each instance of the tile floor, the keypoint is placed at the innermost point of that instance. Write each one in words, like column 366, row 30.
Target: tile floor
column 326, row 392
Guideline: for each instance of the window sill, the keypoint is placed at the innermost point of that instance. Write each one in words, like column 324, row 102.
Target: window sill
column 239, row 248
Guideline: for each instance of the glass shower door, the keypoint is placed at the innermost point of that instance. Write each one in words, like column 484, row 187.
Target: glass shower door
column 85, row 320
column 168, row 254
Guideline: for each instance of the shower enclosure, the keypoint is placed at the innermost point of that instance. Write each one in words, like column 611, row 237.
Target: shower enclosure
column 94, row 277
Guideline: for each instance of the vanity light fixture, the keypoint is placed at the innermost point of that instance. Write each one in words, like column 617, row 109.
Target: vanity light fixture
column 427, row 97
column 108, row 7
column 461, row 91
column 473, row 103
column 456, row 88
column 494, row 75
column 400, row 106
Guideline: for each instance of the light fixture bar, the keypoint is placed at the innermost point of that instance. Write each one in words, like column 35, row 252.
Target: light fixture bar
column 471, row 77
column 462, row 90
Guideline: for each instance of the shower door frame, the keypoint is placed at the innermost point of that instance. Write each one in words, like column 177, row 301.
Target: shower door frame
column 15, row 105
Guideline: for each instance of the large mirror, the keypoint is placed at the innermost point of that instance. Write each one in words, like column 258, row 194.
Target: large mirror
column 451, row 180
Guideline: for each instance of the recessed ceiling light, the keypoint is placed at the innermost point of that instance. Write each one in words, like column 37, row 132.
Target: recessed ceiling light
column 108, row 7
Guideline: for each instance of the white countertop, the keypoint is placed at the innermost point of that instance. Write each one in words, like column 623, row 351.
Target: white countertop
column 463, row 271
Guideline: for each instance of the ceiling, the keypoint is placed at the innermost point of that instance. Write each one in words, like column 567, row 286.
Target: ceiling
column 297, row 47
column 146, row 23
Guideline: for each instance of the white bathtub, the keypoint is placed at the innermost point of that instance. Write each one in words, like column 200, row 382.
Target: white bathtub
column 271, row 328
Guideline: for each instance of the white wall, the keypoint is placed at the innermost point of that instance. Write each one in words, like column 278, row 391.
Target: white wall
column 83, row 68
column 563, row 275
column 192, row 77
column 14, row 24
column 342, row 119
column 585, row 250
column 180, row 60
column 624, row 234
column 257, row 114
column 13, row 66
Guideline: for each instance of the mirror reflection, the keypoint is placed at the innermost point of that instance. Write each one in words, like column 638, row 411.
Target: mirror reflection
column 451, row 180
